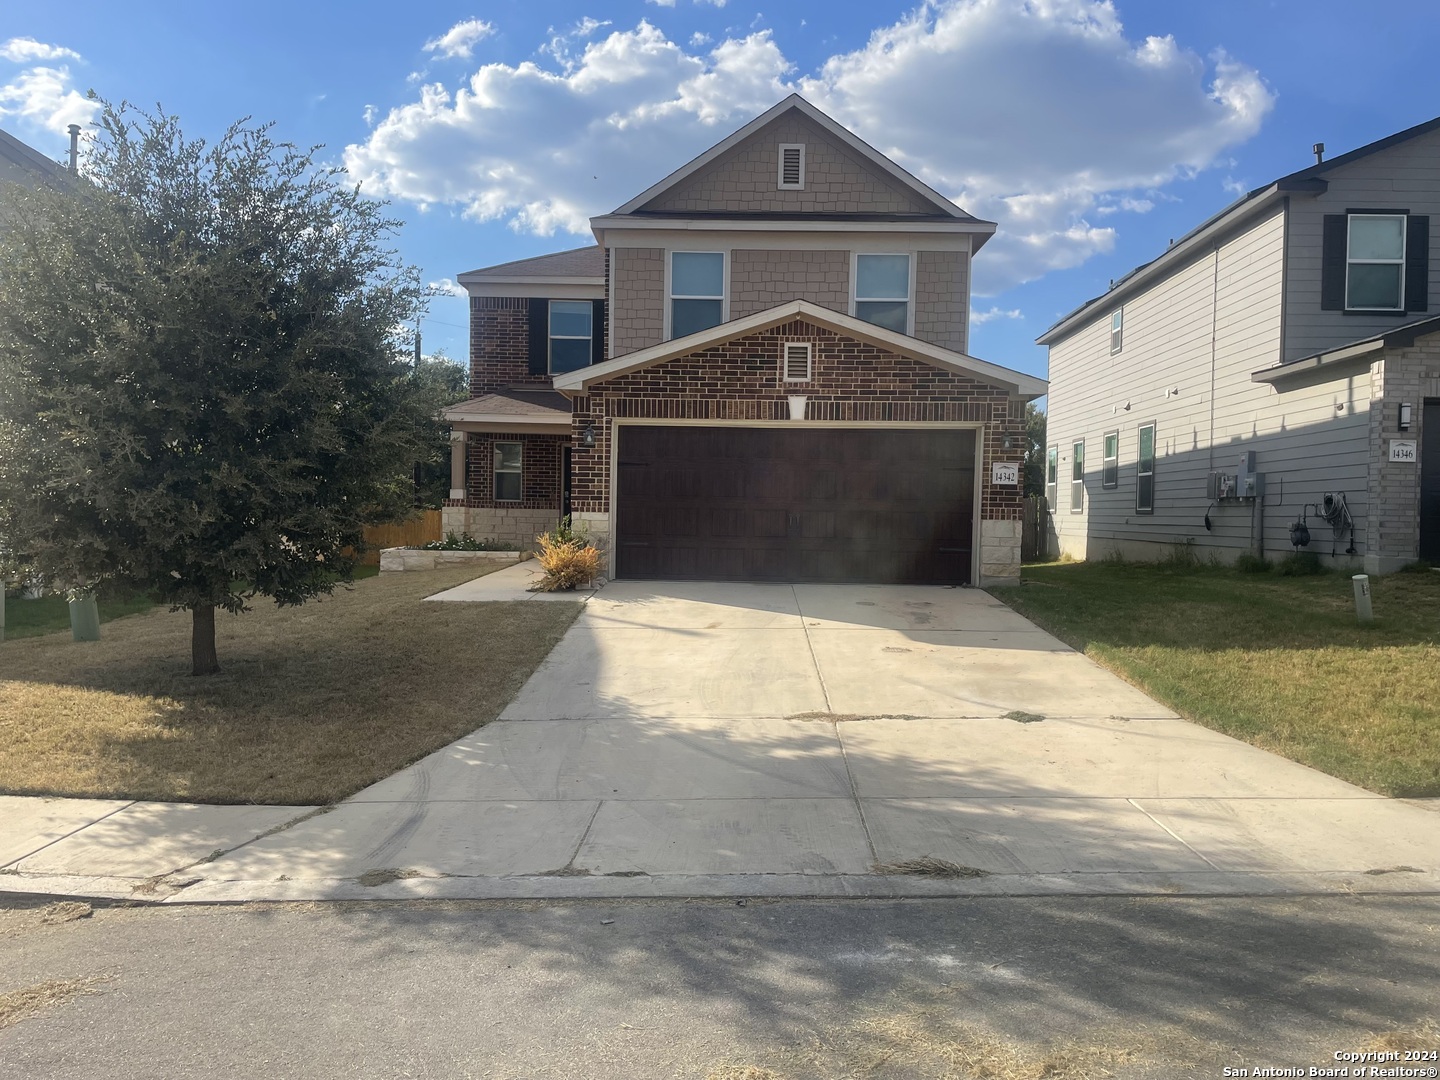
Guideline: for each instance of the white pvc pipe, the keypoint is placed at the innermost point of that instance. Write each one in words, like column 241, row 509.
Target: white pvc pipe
column 1362, row 597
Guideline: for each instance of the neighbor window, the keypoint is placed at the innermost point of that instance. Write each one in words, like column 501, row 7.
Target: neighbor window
column 1117, row 330
column 1052, row 478
column 1375, row 262
column 507, row 472
column 1145, row 472
column 697, row 291
column 882, row 291
column 1077, row 479
column 571, row 328
column 1110, row 465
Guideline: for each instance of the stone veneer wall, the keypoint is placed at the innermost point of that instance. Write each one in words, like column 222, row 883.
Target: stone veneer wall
column 1392, row 528
column 518, row 525
column 853, row 382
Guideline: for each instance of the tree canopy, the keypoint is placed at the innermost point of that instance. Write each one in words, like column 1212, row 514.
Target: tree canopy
column 202, row 393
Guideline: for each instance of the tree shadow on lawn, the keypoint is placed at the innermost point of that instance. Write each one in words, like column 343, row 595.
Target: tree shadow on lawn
column 312, row 702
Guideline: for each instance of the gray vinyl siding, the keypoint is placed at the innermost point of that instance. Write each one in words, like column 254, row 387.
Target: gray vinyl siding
column 1191, row 341
column 1402, row 177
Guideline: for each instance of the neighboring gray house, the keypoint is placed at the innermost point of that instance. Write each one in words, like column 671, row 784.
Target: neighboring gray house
column 758, row 373
column 23, row 164
column 1298, row 326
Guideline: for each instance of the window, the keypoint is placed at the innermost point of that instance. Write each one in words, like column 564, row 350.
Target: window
column 571, row 327
column 1077, row 479
column 1110, row 465
column 1052, row 478
column 697, row 291
column 1145, row 472
column 1117, row 330
column 792, row 166
column 797, row 361
column 507, row 472
column 882, row 291
column 1375, row 262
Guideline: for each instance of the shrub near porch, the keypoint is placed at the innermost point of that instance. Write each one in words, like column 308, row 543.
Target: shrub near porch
column 1280, row 662
column 311, row 704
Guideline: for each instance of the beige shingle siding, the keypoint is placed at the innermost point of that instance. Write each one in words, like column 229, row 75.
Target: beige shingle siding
column 762, row 279
column 942, row 291
column 745, row 180
column 1402, row 177
column 637, row 306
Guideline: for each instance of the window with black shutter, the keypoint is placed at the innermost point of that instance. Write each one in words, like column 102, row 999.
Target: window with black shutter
column 1375, row 261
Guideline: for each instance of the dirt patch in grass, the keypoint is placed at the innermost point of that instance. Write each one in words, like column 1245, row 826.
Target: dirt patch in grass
column 30, row 1001
column 1280, row 662
column 313, row 702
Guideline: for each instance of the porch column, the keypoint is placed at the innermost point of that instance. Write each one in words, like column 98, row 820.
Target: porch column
column 457, row 464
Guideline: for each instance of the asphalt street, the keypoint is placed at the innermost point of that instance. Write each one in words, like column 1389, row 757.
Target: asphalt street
column 996, row 988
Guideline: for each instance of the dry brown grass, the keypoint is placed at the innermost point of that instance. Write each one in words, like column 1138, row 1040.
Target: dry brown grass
column 1424, row 1037
column 566, row 563
column 312, row 703
column 929, row 866
column 29, row 1001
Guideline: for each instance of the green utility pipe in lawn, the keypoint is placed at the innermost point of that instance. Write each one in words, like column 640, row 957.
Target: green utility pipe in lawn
column 85, row 619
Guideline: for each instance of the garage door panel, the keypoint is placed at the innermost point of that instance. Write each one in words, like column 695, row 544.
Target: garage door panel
column 884, row 505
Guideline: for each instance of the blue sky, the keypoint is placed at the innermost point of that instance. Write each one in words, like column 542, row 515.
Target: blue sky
column 1092, row 132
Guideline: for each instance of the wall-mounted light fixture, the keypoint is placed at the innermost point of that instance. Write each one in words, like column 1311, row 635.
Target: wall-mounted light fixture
column 1407, row 415
column 587, row 437
column 1008, row 442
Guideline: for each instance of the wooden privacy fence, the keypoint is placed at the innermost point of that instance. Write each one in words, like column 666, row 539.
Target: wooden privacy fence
column 421, row 529
column 1035, row 531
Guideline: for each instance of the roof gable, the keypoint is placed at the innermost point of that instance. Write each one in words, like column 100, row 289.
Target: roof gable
column 845, row 175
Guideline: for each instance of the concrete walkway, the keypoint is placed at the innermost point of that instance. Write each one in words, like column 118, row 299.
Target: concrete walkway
column 730, row 739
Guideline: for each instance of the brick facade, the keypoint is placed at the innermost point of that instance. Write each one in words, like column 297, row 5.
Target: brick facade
column 500, row 344
column 853, row 382
column 1392, row 528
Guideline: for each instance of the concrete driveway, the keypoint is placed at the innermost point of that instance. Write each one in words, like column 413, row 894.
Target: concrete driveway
column 742, row 739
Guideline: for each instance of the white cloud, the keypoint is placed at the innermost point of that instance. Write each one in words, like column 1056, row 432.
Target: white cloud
column 1127, row 204
column 661, row 3
column 979, row 318
column 460, row 40
column 28, row 50
column 1035, row 115
column 370, row 113
column 698, row 38
column 447, row 287
column 1234, row 187
column 44, row 97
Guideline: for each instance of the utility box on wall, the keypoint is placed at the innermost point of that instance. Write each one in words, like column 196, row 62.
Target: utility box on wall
column 1244, row 483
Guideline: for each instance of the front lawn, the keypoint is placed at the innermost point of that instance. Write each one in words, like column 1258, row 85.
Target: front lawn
column 51, row 614
column 1280, row 662
column 312, row 703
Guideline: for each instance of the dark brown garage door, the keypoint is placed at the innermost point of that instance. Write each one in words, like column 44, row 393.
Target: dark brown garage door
column 777, row 504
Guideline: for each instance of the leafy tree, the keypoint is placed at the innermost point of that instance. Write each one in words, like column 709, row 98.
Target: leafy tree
column 441, row 382
column 201, row 393
column 1034, row 450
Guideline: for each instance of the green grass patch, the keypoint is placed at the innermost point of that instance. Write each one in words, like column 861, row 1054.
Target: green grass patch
column 1279, row 661
column 51, row 614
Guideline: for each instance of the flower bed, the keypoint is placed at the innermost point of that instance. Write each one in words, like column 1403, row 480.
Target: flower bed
column 396, row 559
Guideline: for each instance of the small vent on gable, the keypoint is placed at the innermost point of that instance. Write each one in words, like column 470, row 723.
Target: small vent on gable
column 797, row 361
column 792, row 165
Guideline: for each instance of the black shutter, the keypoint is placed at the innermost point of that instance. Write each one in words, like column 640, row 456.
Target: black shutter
column 1417, row 262
column 597, row 332
column 539, row 337
column 1332, row 263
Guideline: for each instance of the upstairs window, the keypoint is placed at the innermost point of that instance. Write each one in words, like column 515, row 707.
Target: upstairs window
column 572, row 327
column 882, row 291
column 792, row 166
column 1117, row 330
column 697, row 291
column 1375, row 263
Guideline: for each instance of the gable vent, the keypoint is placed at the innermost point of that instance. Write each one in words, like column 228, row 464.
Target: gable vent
column 792, row 165
column 797, row 361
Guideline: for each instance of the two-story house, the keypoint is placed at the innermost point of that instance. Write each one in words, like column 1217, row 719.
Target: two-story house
column 1279, row 365
column 758, row 373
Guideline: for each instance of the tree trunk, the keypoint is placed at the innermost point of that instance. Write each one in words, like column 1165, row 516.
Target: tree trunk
column 203, row 659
